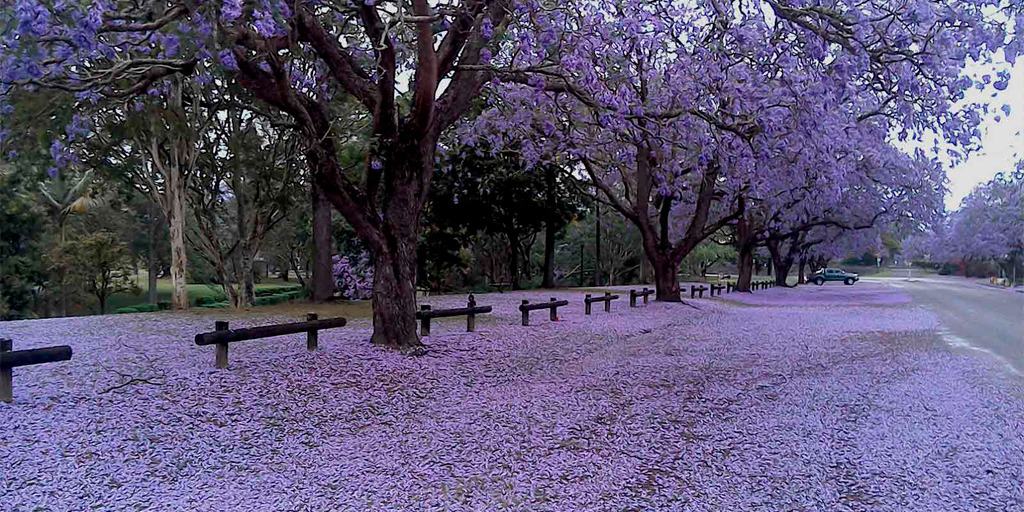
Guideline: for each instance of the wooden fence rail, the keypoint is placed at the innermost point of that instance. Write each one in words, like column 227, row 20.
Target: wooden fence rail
column 552, row 305
column 633, row 294
column 11, row 359
column 426, row 314
column 607, row 299
column 694, row 290
column 223, row 335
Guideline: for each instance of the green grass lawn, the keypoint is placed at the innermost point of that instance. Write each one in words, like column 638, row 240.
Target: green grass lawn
column 195, row 291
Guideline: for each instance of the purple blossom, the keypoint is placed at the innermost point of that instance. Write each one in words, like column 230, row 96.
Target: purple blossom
column 227, row 59
column 231, row 10
column 353, row 277
column 487, row 29
column 662, row 407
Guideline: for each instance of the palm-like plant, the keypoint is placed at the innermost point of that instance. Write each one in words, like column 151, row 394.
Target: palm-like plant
column 64, row 198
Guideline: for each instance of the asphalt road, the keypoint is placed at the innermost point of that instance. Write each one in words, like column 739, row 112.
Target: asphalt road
column 973, row 316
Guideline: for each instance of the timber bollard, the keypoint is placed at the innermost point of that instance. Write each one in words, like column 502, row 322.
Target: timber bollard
column 222, row 347
column 426, row 314
column 223, row 335
column 6, row 374
column 607, row 299
column 312, row 337
column 633, row 294
column 10, row 359
column 552, row 306
column 425, row 320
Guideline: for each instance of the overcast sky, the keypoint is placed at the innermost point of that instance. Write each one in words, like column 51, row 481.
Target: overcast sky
column 1002, row 142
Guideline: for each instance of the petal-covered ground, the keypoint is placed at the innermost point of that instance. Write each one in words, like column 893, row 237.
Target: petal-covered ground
column 833, row 398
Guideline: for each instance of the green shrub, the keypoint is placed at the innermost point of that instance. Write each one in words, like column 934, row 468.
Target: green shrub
column 138, row 308
column 266, row 292
column 210, row 299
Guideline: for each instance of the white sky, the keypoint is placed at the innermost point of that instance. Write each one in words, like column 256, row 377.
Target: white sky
column 1002, row 143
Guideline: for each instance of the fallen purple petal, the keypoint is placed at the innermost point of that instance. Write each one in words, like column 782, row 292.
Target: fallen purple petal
column 708, row 406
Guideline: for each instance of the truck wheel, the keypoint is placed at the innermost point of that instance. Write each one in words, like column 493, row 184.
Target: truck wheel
column 849, row 281
column 819, row 281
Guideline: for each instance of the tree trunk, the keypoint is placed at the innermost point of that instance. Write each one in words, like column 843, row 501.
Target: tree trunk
column 666, row 280
column 781, row 264
column 745, row 247
column 745, row 262
column 394, row 301
column 176, row 224
column 513, row 262
column 597, row 245
column 152, row 262
column 293, row 264
column 549, row 256
column 322, row 282
column 392, row 236
column 245, row 291
column 550, row 229
column 802, row 275
column 246, row 286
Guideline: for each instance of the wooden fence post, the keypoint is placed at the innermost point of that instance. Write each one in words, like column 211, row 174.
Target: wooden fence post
column 586, row 303
column 312, row 337
column 554, row 311
column 221, row 348
column 425, row 321
column 645, row 295
column 471, row 318
column 6, row 374
column 526, row 313
column 632, row 298
column 607, row 302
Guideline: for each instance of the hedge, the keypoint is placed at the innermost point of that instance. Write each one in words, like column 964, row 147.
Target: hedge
column 139, row 308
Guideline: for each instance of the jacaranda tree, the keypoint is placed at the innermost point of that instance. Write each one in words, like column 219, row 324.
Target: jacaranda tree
column 678, row 111
column 668, row 106
column 412, row 68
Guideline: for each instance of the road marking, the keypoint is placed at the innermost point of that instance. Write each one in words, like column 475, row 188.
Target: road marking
column 958, row 342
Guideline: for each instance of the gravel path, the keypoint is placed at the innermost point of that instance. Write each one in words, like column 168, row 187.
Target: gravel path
column 806, row 399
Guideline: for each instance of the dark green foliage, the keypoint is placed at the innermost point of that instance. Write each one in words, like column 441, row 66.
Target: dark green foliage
column 21, row 231
column 484, row 205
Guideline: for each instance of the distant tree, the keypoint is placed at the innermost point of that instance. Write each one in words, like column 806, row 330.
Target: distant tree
column 707, row 254
column 248, row 181
column 621, row 250
column 498, row 195
column 102, row 265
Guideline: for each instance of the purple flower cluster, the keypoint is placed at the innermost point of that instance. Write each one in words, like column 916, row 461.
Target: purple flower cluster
column 664, row 407
column 353, row 276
